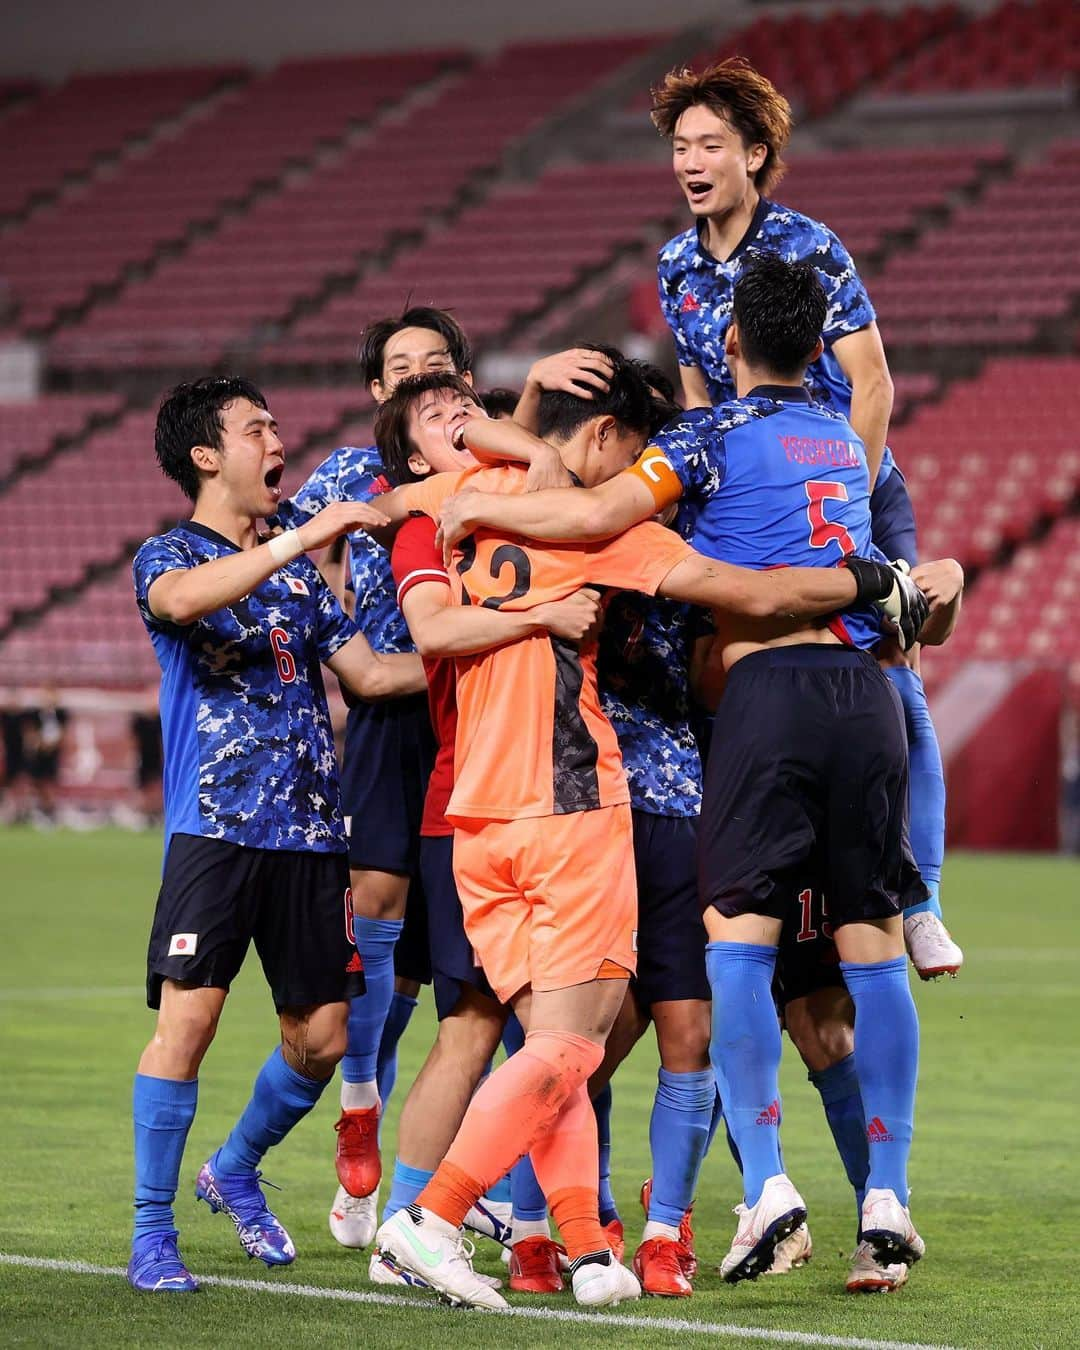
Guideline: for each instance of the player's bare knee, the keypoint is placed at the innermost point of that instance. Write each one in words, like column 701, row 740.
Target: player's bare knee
column 683, row 1028
column 472, row 1031
column 378, row 895
column 313, row 1040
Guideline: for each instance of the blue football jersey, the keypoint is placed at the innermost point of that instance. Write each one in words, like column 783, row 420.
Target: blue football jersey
column 778, row 481
column 249, row 749
column 696, row 298
column 642, row 671
column 350, row 474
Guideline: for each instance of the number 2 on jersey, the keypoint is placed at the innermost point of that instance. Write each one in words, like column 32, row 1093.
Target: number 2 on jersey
column 505, row 554
column 823, row 532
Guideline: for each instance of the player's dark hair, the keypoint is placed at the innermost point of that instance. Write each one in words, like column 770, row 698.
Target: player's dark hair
column 500, row 402
column 654, row 377
column 392, row 437
column 190, row 415
column 742, row 96
column 627, row 400
column 780, row 310
column 376, row 335
column 663, row 394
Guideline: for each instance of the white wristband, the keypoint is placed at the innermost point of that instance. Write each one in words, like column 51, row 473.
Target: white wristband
column 285, row 547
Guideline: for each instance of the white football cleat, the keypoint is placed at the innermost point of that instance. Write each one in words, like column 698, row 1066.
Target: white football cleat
column 491, row 1219
column 779, row 1211
column 383, row 1269
column 932, row 950
column 795, row 1250
column 436, row 1252
column 869, row 1276
column 887, row 1228
column 353, row 1219
column 602, row 1284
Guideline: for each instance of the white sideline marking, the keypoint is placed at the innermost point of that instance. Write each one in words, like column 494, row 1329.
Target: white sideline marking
column 645, row 1324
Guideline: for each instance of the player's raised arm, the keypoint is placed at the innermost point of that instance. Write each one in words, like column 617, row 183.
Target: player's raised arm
column 183, row 596
column 695, row 390
column 862, row 359
column 578, row 371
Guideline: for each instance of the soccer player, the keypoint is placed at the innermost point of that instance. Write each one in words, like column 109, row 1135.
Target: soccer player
column 728, row 127
column 413, row 444
column 254, row 839
column 778, row 480
column 543, row 844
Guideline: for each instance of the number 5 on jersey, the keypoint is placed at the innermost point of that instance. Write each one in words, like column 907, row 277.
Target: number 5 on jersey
column 824, row 532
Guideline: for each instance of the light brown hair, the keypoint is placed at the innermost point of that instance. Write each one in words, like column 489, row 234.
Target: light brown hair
column 735, row 91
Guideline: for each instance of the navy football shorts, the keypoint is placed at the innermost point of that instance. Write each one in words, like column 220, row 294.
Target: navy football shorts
column 809, row 749
column 806, row 957
column 892, row 519
column 217, row 897
column 671, row 935
column 411, row 958
column 389, row 754
column 453, row 961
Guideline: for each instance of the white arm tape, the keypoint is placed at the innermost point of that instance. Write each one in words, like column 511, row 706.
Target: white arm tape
column 285, row 547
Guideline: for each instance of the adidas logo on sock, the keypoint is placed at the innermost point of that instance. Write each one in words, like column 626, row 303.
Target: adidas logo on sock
column 877, row 1132
column 771, row 1114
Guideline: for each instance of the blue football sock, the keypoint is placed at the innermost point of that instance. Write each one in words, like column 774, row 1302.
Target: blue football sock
column 162, row 1109
column 887, row 1061
column 927, row 792
column 602, row 1110
column 397, row 1019
column 839, row 1088
column 280, row 1098
column 500, row 1193
column 375, row 941
column 678, row 1136
column 529, row 1202
column 745, row 1050
column 406, row 1185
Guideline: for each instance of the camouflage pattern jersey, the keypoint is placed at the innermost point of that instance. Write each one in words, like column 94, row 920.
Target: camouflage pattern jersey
column 249, row 750
column 696, row 297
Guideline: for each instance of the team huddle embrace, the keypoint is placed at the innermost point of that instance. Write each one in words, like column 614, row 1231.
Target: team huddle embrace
column 635, row 734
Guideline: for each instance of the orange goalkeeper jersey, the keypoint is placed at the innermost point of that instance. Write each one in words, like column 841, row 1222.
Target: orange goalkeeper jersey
column 531, row 738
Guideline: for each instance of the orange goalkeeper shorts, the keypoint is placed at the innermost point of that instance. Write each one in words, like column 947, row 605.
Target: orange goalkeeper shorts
column 549, row 900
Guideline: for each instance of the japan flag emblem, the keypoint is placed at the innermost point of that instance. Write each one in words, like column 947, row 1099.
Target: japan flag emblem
column 297, row 585
column 183, row 944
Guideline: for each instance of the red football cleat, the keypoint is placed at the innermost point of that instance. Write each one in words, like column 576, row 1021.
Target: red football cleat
column 658, row 1265
column 613, row 1231
column 686, row 1232
column 534, row 1266
column 359, row 1168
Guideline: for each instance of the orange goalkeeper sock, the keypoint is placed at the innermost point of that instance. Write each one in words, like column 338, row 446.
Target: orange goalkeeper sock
column 567, row 1165
column 517, row 1106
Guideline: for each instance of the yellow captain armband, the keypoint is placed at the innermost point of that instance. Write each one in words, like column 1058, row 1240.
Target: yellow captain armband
column 655, row 471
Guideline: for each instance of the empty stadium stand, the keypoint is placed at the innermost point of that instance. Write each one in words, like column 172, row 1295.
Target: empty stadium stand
column 1016, row 44
column 336, row 218
column 69, row 129
column 246, row 141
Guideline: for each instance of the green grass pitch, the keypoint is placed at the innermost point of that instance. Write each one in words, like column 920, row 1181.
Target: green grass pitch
column 995, row 1173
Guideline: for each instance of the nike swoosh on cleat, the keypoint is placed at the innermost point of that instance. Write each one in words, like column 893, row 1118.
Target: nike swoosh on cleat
column 429, row 1257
